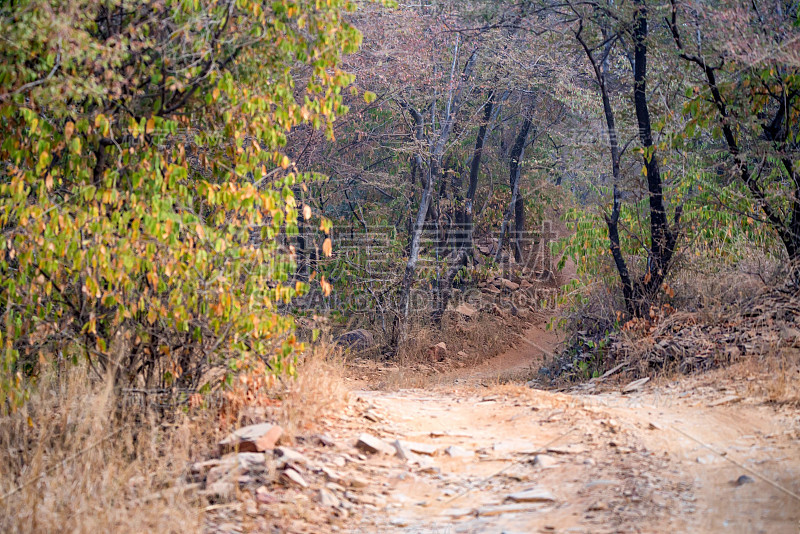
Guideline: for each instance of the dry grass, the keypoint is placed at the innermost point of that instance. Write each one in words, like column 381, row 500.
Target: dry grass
column 317, row 391
column 79, row 459
column 74, row 462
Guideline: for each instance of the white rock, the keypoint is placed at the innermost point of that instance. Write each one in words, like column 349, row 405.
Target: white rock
column 293, row 477
column 327, row 499
column 544, row 461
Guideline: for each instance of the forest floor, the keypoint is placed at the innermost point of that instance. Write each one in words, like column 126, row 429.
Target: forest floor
column 702, row 453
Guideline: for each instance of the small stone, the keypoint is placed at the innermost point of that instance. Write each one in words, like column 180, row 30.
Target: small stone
column 333, row 486
column 707, row 459
column 286, row 456
column 438, row 352
column 466, row 310
column 373, row 445
column 724, row 400
column 325, row 440
column 357, row 482
column 422, row 448
column 508, row 284
column 264, row 496
column 532, row 495
column 742, row 480
column 636, row 385
column 369, row 415
column 253, row 438
column 221, row 489
column 544, row 461
column 500, row 509
column 403, row 452
column 291, row 476
column 458, row 512
column 598, row 506
column 454, row 451
column 327, row 499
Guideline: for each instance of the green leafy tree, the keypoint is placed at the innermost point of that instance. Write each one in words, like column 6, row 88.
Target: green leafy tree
column 144, row 192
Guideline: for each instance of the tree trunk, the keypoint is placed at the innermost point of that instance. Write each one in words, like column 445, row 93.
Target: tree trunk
column 516, row 206
column 433, row 172
column 662, row 240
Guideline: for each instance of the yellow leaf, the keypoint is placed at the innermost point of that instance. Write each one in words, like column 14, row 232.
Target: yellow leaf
column 200, row 232
column 326, row 287
column 285, row 162
column 150, row 126
column 69, row 128
column 327, row 247
column 306, row 211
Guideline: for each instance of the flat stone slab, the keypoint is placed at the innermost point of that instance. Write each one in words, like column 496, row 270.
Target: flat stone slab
column 421, row 448
column 374, row 445
column 532, row 495
column 500, row 509
column 253, row 438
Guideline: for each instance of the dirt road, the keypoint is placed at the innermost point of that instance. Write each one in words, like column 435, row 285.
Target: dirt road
column 694, row 455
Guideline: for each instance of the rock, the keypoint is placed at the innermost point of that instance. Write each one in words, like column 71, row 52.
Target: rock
column 333, row 486
column 362, row 498
column 327, row 499
column 290, row 476
column 357, row 482
column 598, row 506
column 455, row 451
column 438, row 352
column 220, row 489
column 253, row 438
column 500, row 509
column 724, row 400
column 544, row 461
column 403, row 451
column 289, row 456
column 742, row 480
column 455, row 513
column 466, row 310
column 532, row 495
column 264, row 496
column 231, row 465
column 462, row 354
column 357, row 340
column 508, row 284
column 518, row 446
column 251, row 461
column 370, row 415
column 707, row 459
column 373, row 445
column 572, row 448
column 636, row 385
column 325, row 440
column 422, row 448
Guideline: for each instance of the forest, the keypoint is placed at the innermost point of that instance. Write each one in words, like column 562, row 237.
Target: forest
column 283, row 228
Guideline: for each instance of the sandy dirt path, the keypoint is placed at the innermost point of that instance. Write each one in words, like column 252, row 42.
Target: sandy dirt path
column 693, row 455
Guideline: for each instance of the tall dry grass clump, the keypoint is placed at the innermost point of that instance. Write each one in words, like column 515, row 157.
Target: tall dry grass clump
column 76, row 458
column 317, row 391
